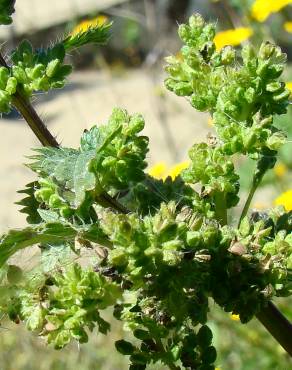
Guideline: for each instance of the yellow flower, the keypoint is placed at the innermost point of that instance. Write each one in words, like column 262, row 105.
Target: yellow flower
column 280, row 169
column 288, row 26
column 235, row 317
column 84, row 25
column 289, row 86
column 158, row 171
column 285, row 199
column 210, row 121
column 262, row 9
column 177, row 169
column 232, row 37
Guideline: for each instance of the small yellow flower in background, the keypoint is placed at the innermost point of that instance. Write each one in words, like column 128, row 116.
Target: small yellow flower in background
column 285, row 199
column 161, row 172
column 84, row 25
column 288, row 26
column 158, row 171
column 280, row 169
column 235, row 317
column 210, row 121
column 289, row 86
column 232, row 37
column 177, row 169
column 262, row 9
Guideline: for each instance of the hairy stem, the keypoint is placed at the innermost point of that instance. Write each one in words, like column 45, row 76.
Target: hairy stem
column 29, row 114
column 23, row 105
column 277, row 325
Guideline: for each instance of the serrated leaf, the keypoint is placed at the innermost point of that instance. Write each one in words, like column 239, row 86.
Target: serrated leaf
column 30, row 204
column 16, row 240
column 48, row 215
column 53, row 256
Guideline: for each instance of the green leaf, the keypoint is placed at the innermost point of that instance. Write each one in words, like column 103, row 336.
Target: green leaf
column 70, row 169
column 93, row 35
column 16, row 240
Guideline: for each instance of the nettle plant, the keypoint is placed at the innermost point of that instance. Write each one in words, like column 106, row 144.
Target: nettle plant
column 160, row 250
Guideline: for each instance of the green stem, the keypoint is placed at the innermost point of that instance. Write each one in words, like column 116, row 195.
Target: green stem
column 255, row 183
column 277, row 325
column 220, row 208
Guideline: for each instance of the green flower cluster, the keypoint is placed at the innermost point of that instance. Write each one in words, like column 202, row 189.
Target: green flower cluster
column 214, row 171
column 241, row 93
column 121, row 157
column 6, row 9
column 39, row 70
column 32, row 71
column 8, row 85
column 65, row 305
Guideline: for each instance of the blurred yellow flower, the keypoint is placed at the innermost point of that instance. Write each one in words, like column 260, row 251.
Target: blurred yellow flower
column 177, row 169
column 210, row 121
column 84, row 25
column 262, row 9
column 289, row 86
column 232, row 37
column 235, row 317
column 280, row 169
column 160, row 170
column 285, row 199
column 288, row 26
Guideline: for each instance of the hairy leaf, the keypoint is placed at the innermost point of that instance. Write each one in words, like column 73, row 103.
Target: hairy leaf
column 93, row 35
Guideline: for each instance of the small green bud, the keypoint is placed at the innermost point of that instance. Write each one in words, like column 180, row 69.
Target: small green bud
column 194, row 238
column 19, row 74
column 196, row 21
column 52, row 67
column 266, row 50
column 228, row 55
column 118, row 257
column 11, row 85
column 275, row 141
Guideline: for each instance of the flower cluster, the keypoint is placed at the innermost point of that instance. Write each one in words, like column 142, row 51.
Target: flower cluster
column 241, row 97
